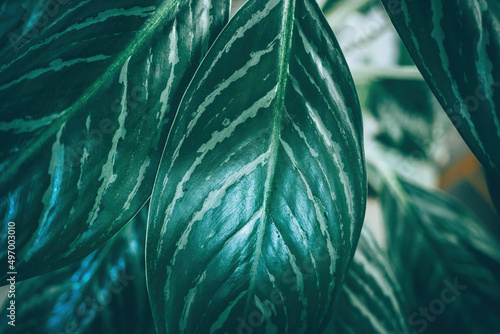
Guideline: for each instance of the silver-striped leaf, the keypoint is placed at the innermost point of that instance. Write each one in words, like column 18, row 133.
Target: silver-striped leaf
column 406, row 119
column 261, row 192
column 86, row 107
column 371, row 300
column 446, row 260
column 456, row 46
column 103, row 293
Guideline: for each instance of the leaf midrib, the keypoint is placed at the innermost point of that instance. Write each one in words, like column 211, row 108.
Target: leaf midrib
column 279, row 107
column 136, row 43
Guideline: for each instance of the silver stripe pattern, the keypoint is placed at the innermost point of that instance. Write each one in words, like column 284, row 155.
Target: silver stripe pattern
column 260, row 193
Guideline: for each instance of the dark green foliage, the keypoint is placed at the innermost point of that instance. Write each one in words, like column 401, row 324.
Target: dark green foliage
column 248, row 142
column 260, row 195
column 103, row 293
column 87, row 103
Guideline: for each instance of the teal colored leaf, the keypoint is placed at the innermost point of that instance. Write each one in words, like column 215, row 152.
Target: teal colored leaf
column 86, row 107
column 405, row 116
column 16, row 19
column 446, row 260
column 371, row 300
column 261, row 192
column 456, row 46
column 103, row 293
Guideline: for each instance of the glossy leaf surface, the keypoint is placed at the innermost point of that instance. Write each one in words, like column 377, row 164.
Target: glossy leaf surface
column 456, row 46
column 86, row 107
column 260, row 196
column 103, row 293
column 371, row 300
column 447, row 262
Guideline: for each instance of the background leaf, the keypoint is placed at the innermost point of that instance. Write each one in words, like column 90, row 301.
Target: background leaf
column 494, row 189
column 407, row 120
column 404, row 115
column 86, row 107
column 456, row 45
column 371, row 300
column 103, row 293
column 447, row 262
column 16, row 19
column 261, row 191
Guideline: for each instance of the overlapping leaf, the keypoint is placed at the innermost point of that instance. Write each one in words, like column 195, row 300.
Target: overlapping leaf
column 86, row 107
column 103, row 293
column 447, row 263
column 260, row 196
column 456, row 46
column 371, row 300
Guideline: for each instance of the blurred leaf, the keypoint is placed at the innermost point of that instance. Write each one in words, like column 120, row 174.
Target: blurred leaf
column 407, row 120
column 493, row 182
column 446, row 261
column 329, row 5
column 371, row 300
column 103, row 293
column 456, row 45
column 86, row 107
column 405, row 116
column 261, row 192
column 17, row 17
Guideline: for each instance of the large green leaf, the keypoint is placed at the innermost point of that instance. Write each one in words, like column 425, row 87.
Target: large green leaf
column 447, row 262
column 456, row 46
column 371, row 300
column 103, row 293
column 260, row 196
column 86, row 107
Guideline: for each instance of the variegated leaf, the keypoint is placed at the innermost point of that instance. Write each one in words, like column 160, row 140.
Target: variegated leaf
column 86, row 107
column 103, row 293
column 261, row 191
column 446, row 260
column 456, row 46
column 406, row 119
column 371, row 300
